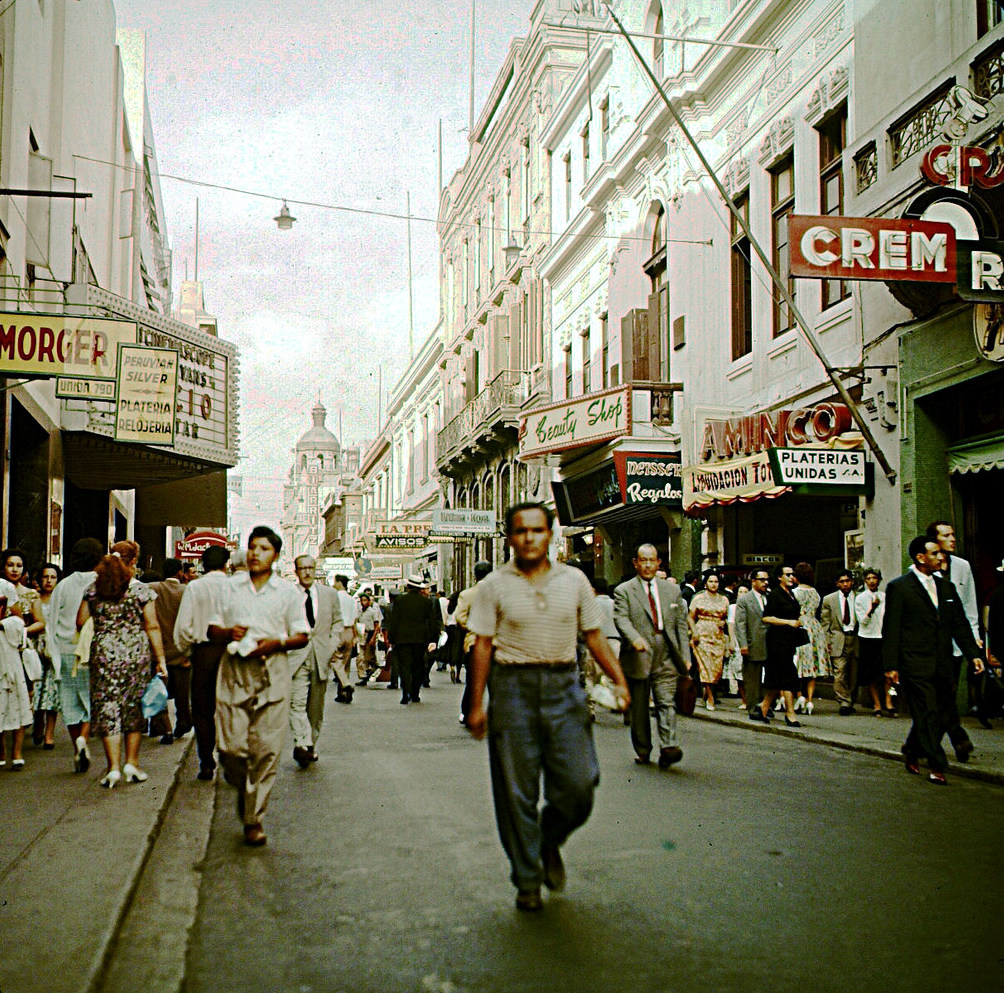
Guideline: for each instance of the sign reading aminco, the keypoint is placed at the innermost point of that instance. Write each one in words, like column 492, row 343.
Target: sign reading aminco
column 872, row 248
column 584, row 420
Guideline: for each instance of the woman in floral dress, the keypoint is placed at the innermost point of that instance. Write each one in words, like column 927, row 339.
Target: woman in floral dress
column 47, row 691
column 125, row 630
column 811, row 660
column 709, row 621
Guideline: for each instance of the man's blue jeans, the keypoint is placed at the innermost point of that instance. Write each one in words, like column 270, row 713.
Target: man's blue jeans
column 538, row 722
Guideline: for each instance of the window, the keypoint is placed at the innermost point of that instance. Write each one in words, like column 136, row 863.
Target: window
column 477, row 259
column 585, row 152
column 425, row 447
column 832, row 139
column 568, row 370
column 782, row 204
column 465, row 276
column 604, row 128
column 490, row 236
column 524, row 180
column 604, row 351
column 648, row 361
column 507, row 208
column 567, row 160
column 586, row 350
column 658, row 46
column 741, row 284
column 988, row 15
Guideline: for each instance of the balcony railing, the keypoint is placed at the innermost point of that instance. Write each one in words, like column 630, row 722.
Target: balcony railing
column 499, row 399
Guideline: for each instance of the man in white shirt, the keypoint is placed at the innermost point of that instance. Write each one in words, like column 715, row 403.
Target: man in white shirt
column 74, row 679
column 262, row 618
column 343, row 652
column 201, row 601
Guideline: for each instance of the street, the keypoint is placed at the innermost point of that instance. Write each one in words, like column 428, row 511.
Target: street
column 759, row 863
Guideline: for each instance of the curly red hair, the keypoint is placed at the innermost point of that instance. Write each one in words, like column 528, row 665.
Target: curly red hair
column 114, row 571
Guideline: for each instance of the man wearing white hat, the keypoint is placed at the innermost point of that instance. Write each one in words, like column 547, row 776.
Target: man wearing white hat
column 413, row 629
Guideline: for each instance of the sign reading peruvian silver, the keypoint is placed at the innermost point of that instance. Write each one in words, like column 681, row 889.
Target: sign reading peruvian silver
column 820, row 466
column 891, row 249
column 147, row 383
column 85, row 389
column 988, row 330
column 584, row 420
column 51, row 345
column 462, row 521
column 401, row 534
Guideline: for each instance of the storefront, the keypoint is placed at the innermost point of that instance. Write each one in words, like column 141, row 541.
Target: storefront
column 779, row 486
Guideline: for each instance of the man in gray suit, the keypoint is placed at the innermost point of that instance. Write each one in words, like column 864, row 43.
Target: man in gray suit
column 311, row 665
column 651, row 616
column 751, row 634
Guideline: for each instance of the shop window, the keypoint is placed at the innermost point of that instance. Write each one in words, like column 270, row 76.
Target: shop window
column 782, row 205
column 741, row 283
column 832, row 139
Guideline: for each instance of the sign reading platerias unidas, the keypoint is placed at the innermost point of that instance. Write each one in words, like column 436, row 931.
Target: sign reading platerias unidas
column 58, row 345
column 148, row 383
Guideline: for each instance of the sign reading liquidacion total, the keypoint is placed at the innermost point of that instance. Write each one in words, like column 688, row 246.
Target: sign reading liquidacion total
column 586, row 420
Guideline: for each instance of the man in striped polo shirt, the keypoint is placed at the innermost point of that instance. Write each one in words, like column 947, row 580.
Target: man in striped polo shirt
column 526, row 618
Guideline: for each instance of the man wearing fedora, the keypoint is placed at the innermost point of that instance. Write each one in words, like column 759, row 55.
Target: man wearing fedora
column 413, row 630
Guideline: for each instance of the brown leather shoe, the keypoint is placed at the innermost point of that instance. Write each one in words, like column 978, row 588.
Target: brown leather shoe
column 669, row 756
column 254, row 834
column 529, row 899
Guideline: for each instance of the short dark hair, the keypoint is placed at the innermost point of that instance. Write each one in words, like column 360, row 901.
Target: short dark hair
column 518, row 508
column 48, row 565
column 919, row 546
column 601, row 586
column 264, row 531
column 756, row 572
column 871, row 571
column 804, row 573
column 86, row 554
column 932, row 528
column 847, row 573
column 481, row 569
column 215, row 557
column 344, row 580
column 691, row 576
column 172, row 567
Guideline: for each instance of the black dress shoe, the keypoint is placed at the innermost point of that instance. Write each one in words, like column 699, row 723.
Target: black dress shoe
column 642, row 759
column 963, row 750
column 167, row 739
column 669, row 756
column 301, row 756
column 405, row 699
column 206, row 774
column 791, row 723
column 846, row 711
column 911, row 763
column 938, row 778
column 529, row 900
column 756, row 714
column 554, row 868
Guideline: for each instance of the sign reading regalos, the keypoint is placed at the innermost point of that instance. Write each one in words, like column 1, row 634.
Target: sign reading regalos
column 50, row 345
column 148, row 381
column 585, row 420
column 872, row 248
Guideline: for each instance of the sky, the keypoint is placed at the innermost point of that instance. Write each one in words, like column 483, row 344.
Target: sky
column 333, row 103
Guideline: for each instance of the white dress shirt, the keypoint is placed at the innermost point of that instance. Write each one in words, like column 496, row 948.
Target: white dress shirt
column 928, row 583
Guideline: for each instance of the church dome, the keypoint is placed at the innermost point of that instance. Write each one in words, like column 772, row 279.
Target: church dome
column 318, row 438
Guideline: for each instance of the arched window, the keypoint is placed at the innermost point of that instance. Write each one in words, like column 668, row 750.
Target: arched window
column 658, row 47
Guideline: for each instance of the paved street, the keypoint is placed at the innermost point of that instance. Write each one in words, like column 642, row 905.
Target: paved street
column 761, row 863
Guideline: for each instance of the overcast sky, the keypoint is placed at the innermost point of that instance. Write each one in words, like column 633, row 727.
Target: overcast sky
column 314, row 100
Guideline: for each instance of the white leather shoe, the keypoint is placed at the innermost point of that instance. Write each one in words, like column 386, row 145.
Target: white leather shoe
column 111, row 779
column 808, row 706
column 134, row 775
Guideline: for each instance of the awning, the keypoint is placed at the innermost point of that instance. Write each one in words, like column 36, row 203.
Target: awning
column 740, row 480
column 976, row 456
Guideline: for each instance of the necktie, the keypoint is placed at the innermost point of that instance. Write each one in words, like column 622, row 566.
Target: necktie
column 655, row 611
column 310, row 610
column 847, row 612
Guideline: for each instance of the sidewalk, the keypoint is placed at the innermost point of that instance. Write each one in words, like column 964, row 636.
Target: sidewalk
column 862, row 732
column 71, row 855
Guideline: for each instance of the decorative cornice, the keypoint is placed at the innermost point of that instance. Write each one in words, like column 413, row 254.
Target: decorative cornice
column 777, row 141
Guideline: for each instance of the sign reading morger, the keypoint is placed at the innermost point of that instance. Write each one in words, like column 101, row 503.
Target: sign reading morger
column 54, row 345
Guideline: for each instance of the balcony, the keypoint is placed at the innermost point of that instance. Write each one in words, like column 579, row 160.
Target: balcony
column 488, row 422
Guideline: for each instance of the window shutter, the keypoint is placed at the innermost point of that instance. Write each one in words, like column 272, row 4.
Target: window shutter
column 656, row 333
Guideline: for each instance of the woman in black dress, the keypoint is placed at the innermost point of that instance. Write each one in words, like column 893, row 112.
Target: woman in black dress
column 784, row 635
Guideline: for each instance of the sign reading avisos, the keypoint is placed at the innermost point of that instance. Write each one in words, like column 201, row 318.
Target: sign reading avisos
column 880, row 248
column 57, row 345
column 586, row 420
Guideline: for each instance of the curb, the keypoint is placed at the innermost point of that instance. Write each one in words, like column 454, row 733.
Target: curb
column 93, row 980
column 893, row 754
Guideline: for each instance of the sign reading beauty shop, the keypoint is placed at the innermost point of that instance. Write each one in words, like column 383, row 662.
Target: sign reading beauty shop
column 650, row 478
column 585, row 420
column 147, row 384
column 70, row 347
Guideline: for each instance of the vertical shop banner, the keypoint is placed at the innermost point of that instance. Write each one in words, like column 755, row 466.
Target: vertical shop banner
column 147, row 392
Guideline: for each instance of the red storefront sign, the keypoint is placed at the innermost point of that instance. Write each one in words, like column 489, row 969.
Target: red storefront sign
column 969, row 165
column 197, row 542
column 881, row 248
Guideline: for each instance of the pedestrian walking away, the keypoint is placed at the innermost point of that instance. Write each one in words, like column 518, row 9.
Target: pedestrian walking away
column 413, row 629
column 348, row 609
column 651, row 616
column 923, row 614
column 169, row 592
column 526, row 618
column 202, row 600
column 310, row 666
column 262, row 618
column 465, row 600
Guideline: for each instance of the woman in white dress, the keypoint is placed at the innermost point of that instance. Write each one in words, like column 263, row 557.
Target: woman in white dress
column 15, row 706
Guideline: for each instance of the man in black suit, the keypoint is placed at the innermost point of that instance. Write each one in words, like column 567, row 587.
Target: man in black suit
column 923, row 615
column 413, row 630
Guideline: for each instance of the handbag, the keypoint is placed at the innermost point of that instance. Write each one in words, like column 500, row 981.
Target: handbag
column 800, row 637
column 154, row 698
column 32, row 664
column 686, row 694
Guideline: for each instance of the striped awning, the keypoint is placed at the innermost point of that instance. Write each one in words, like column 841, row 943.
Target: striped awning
column 976, row 456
